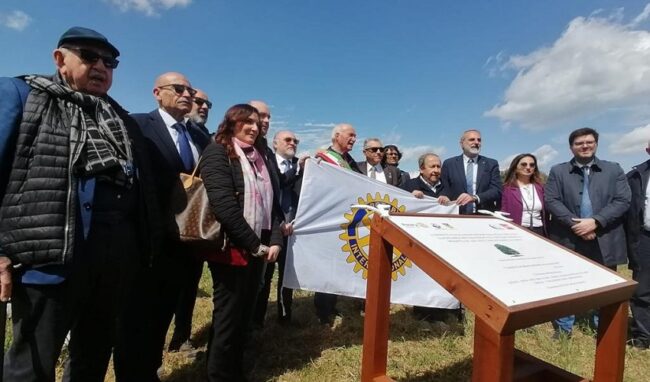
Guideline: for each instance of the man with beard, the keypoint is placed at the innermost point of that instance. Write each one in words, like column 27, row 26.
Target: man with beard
column 78, row 216
column 470, row 179
column 289, row 173
column 201, row 110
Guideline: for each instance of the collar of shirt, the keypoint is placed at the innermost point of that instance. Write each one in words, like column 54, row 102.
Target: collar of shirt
column 466, row 159
column 173, row 133
column 377, row 167
column 280, row 161
column 433, row 187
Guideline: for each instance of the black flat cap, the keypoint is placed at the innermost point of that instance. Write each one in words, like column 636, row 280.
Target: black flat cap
column 81, row 34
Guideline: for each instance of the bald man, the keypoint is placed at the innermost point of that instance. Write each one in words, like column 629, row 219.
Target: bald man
column 176, row 146
column 200, row 110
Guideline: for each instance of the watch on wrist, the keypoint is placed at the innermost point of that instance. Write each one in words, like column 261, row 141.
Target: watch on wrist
column 261, row 251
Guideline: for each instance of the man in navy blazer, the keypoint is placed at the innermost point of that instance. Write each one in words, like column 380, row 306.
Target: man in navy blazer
column 176, row 145
column 472, row 180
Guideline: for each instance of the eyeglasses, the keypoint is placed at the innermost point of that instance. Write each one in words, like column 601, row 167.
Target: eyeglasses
column 91, row 57
column 180, row 89
column 201, row 101
column 375, row 149
column 524, row 164
column 392, row 154
column 294, row 140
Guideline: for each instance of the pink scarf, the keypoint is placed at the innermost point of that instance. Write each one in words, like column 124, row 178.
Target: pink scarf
column 258, row 192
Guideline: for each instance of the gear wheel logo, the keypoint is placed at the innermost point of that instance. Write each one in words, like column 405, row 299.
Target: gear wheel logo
column 356, row 235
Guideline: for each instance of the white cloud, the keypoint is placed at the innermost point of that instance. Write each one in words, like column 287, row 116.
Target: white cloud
column 328, row 124
column 148, row 7
column 17, row 20
column 598, row 64
column 414, row 152
column 545, row 155
column 633, row 142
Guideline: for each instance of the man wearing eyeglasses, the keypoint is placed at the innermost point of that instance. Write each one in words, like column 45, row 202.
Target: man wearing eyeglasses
column 374, row 152
column 587, row 198
column 180, row 340
column 177, row 144
column 201, row 110
column 78, row 197
column 289, row 173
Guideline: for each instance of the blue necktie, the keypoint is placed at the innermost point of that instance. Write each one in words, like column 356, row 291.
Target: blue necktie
column 184, row 148
column 469, row 178
column 585, row 203
column 286, row 199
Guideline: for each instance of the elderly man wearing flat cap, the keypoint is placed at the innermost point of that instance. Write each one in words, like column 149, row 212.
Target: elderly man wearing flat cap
column 78, row 213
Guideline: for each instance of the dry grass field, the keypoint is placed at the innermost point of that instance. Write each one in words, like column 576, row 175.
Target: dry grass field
column 418, row 351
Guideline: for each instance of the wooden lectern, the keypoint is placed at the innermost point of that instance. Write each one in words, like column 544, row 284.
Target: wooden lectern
column 495, row 357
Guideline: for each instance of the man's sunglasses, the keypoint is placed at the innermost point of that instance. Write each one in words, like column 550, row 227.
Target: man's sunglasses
column 294, row 140
column 180, row 89
column 92, row 57
column 201, row 101
column 375, row 149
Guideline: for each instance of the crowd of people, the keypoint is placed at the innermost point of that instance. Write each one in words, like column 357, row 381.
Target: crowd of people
column 89, row 243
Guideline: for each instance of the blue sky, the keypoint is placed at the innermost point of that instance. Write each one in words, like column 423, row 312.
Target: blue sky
column 415, row 73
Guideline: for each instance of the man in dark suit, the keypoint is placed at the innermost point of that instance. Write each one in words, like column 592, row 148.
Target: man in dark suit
column 201, row 110
column 177, row 145
column 637, row 233
column 470, row 179
column 587, row 198
column 180, row 340
column 374, row 152
column 428, row 183
column 289, row 173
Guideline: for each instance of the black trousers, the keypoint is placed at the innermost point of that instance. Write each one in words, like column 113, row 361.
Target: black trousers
column 284, row 295
column 235, row 291
column 325, row 304
column 640, row 301
column 147, row 316
column 87, row 304
column 185, row 305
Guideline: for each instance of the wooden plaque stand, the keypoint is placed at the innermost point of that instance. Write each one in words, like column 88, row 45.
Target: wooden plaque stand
column 495, row 357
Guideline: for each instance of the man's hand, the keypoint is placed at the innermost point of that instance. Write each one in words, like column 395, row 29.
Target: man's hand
column 274, row 251
column 301, row 162
column 584, row 227
column 443, row 200
column 589, row 236
column 5, row 279
column 286, row 229
column 418, row 194
column 464, row 198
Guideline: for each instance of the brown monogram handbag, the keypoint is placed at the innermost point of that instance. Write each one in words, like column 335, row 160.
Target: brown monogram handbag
column 197, row 225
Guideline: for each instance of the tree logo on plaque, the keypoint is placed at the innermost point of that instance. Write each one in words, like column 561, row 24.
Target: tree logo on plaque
column 356, row 235
column 507, row 250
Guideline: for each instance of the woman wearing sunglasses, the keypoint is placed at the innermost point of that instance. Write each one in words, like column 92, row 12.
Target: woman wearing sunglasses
column 237, row 181
column 523, row 194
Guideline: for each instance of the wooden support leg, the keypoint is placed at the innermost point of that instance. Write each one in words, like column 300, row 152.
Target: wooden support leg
column 610, row 346
column 493, row 354
column 375, row 328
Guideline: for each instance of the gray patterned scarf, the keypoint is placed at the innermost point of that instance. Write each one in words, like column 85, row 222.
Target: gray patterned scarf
column 106, row 151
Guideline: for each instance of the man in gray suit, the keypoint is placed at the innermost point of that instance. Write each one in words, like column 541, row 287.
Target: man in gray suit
column 374, row 152
column 587, row 198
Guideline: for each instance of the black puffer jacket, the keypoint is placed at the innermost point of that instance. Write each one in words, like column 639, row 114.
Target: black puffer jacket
column 38, row 212
column 224, row 183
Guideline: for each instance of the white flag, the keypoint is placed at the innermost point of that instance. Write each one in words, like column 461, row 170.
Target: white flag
column 328, row 251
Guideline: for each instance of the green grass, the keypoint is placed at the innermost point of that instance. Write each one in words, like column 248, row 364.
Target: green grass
column 418, row 350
